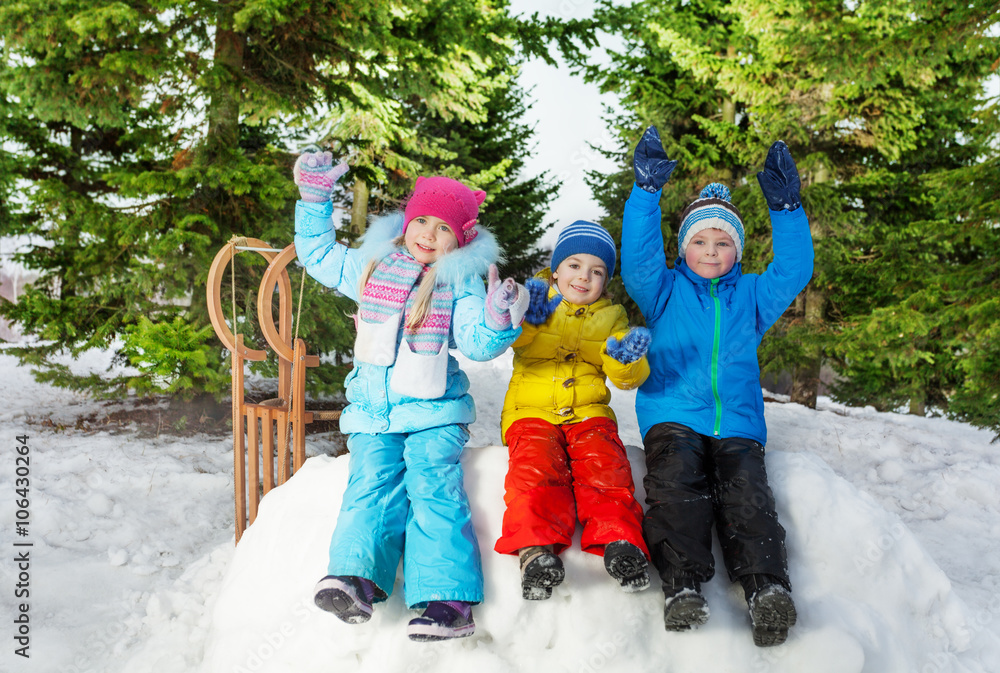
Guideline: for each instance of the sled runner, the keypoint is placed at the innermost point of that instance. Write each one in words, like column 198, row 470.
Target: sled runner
column 269, row 442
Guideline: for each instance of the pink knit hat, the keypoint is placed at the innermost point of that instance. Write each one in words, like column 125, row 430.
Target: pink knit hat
column 448, row 199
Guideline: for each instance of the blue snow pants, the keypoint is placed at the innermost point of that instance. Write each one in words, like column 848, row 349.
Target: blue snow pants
column 405, row 497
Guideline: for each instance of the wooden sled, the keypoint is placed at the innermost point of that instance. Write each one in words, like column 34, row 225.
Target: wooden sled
column 259, row 429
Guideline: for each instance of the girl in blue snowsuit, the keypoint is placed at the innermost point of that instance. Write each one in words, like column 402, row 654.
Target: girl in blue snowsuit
column 701, row 411
column 409, row 401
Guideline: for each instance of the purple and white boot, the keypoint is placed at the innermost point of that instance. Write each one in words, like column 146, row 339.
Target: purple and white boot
column 347, row 596
column 442, row 620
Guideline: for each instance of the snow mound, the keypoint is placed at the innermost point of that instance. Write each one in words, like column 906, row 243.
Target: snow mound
column 870, row 599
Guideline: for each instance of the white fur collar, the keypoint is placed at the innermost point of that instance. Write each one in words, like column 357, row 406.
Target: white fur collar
column 458, row 266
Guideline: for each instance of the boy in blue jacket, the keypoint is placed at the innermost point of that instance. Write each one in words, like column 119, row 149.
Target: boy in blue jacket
column 701, row 411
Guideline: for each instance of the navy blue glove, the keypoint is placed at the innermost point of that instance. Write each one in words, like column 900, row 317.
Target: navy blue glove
column 540, row 307
column 631, row 347
column 650, row 163
column 780, row 179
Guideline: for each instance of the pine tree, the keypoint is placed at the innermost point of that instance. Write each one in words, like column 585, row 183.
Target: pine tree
column 146, row 135
column 874, row 99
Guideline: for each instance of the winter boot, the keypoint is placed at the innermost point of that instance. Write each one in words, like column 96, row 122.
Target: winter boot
column 347, row 596
column 684, row 608
column 541, row 570
column 627, row 564
column 772, row 611
column 442, row 620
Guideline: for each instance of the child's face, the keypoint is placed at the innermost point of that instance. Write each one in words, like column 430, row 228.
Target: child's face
column 581, row 278
column 711, row 253
column 428, row 237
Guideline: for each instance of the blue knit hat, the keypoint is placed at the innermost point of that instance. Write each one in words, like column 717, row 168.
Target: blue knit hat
column 585, row 237
column 712, row 210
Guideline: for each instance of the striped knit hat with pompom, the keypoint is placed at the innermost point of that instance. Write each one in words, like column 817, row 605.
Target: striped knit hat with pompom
column 712, row 210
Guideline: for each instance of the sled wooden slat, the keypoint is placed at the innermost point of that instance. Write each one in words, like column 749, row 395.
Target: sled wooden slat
column 256, row 468
column 239, row 457
column 253, row 464
column 283, row 463
column 267, row 452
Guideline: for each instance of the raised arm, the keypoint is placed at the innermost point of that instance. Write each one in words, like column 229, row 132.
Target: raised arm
column 326, row 260
column 644, row 264
column 792, row 267
column 471, row 326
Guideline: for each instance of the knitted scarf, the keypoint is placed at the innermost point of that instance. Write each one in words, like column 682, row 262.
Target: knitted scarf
column 392, row 289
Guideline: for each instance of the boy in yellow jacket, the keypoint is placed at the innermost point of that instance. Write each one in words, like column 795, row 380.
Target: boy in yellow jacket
column 566, row 459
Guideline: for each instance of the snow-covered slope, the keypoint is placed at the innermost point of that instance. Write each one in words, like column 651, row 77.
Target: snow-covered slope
column 892, row 534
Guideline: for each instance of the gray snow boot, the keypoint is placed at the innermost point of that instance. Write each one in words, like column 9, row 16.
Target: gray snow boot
column 684, row 607
column 772, row 612
column 541, row 570
column 348, row 597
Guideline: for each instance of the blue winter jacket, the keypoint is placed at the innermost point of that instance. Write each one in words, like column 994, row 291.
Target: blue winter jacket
column 703, row 355
column 374, row 407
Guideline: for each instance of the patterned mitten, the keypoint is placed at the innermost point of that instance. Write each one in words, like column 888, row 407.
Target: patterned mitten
column 315, row 175
column 631, row 347
column 500, row 300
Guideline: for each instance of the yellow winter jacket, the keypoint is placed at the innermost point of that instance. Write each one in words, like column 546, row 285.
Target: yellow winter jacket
column 560, row 366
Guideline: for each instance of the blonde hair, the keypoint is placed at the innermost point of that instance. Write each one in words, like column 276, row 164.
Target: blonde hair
column 425, row 291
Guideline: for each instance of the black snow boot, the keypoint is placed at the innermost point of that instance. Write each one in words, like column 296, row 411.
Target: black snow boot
column 772, row 612
column 684, row 608
column 627, row 564
column 541, row 570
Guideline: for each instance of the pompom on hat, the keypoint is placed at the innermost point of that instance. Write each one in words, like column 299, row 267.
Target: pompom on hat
column 712, row 210
column 585, row 237
column 449, row 200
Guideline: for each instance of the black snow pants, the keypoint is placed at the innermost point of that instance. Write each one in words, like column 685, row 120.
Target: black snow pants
column 692, row 480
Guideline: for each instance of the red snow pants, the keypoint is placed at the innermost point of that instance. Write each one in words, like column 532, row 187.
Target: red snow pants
column 557, row 473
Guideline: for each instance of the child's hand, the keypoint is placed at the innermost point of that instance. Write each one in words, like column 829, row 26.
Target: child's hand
column 501, row 298
column 315, row 175
column 650, row 164
column 780, row 179
column 540, row 307
column 631, row 347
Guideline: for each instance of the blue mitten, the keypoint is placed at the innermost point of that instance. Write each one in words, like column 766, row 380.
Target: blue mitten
column 650, row 164
column 540, row 307
column 780, row 179
column 631, row 347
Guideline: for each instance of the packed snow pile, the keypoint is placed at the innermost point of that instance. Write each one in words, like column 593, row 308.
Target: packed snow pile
column 893, row 539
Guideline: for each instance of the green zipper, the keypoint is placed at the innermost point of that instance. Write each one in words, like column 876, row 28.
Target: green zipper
column 715, row 357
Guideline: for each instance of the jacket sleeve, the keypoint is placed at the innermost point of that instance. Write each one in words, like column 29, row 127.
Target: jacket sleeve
column 528, row 334
column 474, row 339
column 644, row 264
column 623, row 376
column 790, row 271
column 329, row 262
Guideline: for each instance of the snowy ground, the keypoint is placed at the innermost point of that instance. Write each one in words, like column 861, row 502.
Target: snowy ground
column 893, row 535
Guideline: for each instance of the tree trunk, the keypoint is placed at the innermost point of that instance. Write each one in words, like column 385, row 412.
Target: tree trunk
column 224, row 107
column 359, row 208
column 805, row 377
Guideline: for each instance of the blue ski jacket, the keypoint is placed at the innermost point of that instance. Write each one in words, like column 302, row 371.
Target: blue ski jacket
column 374, row 407
column 703, row 363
